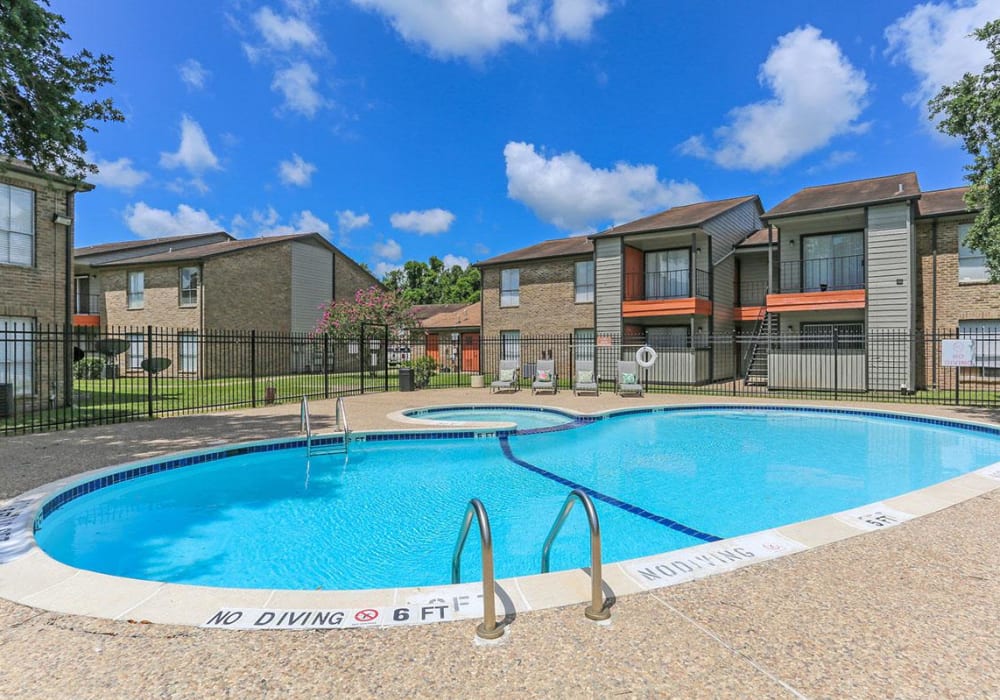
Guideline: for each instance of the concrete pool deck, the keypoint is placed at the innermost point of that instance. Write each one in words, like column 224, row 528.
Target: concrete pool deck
column 911, row 611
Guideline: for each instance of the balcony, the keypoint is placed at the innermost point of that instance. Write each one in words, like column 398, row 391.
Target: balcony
column 750, row 297
column 669, row 293
column 87, row 310
column 820, row 284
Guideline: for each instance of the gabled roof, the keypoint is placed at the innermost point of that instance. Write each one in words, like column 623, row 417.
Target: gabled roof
column 943, row 202
column 687, row 216
column 757, row 238
column 555, row 248
column 453, row 316
column 209, row 250
column 122, row 246
column 848, row 195
column 424, row 311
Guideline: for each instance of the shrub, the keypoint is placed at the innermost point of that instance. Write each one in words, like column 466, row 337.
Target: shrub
column 423, row 369
column 89, row 368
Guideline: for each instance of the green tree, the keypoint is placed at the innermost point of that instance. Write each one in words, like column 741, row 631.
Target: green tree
column 373, row 306
column 42, row 117
column 970, row 110
column 432, row 282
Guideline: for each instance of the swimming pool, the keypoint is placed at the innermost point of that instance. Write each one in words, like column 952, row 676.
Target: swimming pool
column 388, row 515
column 523, row 417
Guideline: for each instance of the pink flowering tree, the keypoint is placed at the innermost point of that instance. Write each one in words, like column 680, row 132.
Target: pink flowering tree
column 373, row 307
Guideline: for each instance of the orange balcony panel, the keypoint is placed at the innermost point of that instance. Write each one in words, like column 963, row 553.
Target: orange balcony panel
column 816, row 301
column 667, row 307
column 746, row 313
column 86, row 320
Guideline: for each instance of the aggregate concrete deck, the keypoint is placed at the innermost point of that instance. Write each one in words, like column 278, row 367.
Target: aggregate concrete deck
column 911, row 611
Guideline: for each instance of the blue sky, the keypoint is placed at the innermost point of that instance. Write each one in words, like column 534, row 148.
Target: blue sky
column 468, row 128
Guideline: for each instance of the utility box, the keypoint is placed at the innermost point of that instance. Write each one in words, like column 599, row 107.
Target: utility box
column 406, row 382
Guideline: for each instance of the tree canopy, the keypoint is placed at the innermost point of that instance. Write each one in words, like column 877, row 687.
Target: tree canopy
column 42, row 116
column 433, row 283
column 370, row 307
column 970, row 110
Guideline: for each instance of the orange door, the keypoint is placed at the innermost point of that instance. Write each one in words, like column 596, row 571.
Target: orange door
column 432, row 347
column 470, row 352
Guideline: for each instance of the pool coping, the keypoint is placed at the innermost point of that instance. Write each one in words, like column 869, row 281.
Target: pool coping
column 29, row 577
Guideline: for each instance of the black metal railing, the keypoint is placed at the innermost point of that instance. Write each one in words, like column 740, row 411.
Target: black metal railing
column 88, row 304
column 823, row 274
column 674, row 284
column 752, row 294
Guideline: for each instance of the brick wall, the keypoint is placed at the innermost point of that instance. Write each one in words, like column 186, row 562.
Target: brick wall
column 161, row 299
column 250, row 289
column 349, row 277
column 547, row 299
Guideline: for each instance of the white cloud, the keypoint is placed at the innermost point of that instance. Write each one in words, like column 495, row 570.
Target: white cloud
column 383, row 268
column 297, row 84
column 450, row 261
column 818, row 95
column 389, row 249
column 347, row 220
column 118, row 174
column 472, row 30
column 194, row 152
column 149, row 222
column 309, row 222
column 193, row 74
column 285, row 33
column 426, row 223
column 568, row 192
column 268, row 223
column 933, row 41
column 296, row 171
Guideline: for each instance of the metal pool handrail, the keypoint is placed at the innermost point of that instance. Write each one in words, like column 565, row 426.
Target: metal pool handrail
column 596, row 610
column 340, row 417
column 488, row 628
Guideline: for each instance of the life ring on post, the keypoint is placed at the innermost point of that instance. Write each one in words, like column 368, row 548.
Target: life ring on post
column 645, row 356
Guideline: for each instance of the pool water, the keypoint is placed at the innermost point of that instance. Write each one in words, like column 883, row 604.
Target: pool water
column 523, row 418
column 389, row 514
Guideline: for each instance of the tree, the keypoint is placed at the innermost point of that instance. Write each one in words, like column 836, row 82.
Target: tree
column 971, row 112
column 433, row 283
column 370, row 307
column 42, row 119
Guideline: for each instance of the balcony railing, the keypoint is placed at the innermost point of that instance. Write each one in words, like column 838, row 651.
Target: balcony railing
column 823, row 274
column 675, row 284
column 88, row 304
column 752, row 294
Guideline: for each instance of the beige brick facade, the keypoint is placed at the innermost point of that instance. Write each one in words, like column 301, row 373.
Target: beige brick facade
column 161, row 299
column 547, row 299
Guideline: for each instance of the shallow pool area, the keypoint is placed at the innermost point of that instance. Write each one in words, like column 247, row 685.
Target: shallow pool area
column 521, row 417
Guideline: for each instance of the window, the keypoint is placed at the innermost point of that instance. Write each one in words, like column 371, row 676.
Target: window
column 189, row 286
column 584, row 281
column 986, row 343
column 510, row 346
column 17, row 226
column 136, row 289
column 815, row 336
column 188, row 351
column 583, row 343
column 17, row 354
column 668, row 274
column 510, row 287
column 833, row 261
column 971, row 263
column 136, row 350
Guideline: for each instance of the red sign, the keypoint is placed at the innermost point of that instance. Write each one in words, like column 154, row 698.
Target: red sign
column 365, row 615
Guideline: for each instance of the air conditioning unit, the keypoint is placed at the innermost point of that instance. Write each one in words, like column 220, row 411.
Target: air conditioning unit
column 6, row 400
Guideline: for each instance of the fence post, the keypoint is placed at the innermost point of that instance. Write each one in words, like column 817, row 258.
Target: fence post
column 149, row 374
column 361, row 357
column 326, row 365
column 253, row 368
column 735, row 350
column 836, row 362
column 385, row 358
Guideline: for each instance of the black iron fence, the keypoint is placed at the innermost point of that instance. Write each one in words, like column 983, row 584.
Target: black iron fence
column 52, row 377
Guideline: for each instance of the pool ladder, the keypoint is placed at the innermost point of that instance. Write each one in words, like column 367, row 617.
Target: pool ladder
column 340, row 418
column 488, row 628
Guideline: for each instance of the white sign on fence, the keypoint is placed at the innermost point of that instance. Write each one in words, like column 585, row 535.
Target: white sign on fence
column 958, row 353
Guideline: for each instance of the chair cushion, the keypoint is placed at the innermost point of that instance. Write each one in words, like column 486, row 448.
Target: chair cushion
column 543, row 375
column 585, row 377
column 506, row 375
column 628, row 378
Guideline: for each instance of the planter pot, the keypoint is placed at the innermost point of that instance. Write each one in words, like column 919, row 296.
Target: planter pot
column 478, row 381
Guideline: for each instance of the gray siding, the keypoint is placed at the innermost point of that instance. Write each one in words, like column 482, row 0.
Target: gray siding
column 730, row 228
column 608, row 267
column 312, row 284
column 889, row 259
column 722, row 313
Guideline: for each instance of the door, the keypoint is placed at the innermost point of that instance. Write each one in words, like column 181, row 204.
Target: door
column 470, row 352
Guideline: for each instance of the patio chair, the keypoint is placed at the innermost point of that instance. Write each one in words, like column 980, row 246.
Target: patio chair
column 585, row 380
column 628, row 378
column 545, row 376
column 506, row 377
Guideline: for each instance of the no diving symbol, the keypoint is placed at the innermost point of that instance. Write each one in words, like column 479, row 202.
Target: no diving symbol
column 365, row 615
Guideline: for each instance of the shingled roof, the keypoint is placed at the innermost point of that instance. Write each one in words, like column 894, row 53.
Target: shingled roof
column 943, row 202
column 846, row 195
column 555, row 248
column 757, row 238
column 687, row 216
column 102, row 248
column 210, row 250
column 453, row 316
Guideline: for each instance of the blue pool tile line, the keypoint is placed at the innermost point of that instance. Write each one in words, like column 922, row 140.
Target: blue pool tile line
column 610, row 500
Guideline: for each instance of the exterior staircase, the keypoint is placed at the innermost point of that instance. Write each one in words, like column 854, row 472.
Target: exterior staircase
column 755, row 358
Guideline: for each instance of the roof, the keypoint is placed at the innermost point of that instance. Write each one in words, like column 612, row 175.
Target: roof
column 758, row 237
column 846, row 195
column 102, row 248
column 15, row 167
column 464, row 316
column 943, row 202
column 687, row 216
column 210, row 250
column 554, row 248
column 422, row 311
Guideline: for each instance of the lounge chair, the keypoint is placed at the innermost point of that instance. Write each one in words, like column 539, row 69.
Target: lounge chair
column 628, row 378
column 545, row 376
column 506, row 378
column 585, row 380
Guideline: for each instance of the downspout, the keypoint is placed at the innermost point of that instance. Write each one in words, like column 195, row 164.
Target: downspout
column 934, row 325
column 68, row 298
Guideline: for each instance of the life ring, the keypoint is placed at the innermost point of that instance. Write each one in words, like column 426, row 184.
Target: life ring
column 645, row 356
